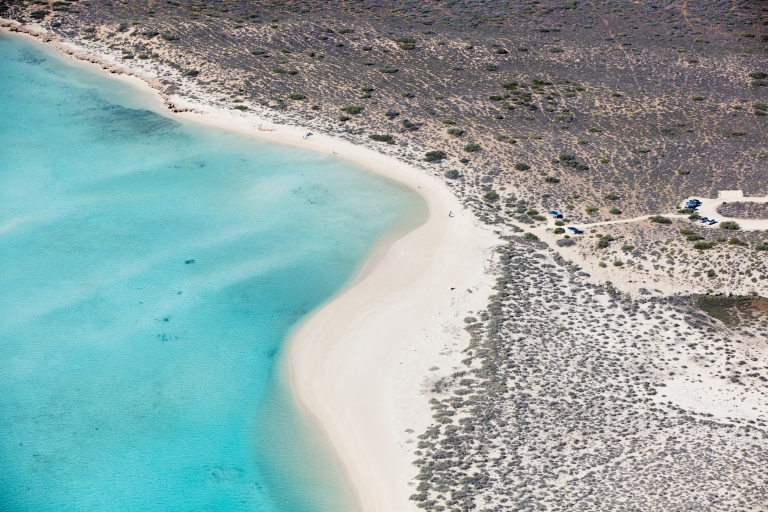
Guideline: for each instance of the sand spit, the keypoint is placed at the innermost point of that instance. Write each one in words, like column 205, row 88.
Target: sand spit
column 361, row 364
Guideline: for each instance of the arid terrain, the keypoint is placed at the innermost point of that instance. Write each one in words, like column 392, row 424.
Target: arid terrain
column 621, row 369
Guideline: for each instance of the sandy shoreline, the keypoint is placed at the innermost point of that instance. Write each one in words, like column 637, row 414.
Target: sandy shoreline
column 360, row 364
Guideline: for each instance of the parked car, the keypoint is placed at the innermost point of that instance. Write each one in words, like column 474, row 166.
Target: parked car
column 575, row 230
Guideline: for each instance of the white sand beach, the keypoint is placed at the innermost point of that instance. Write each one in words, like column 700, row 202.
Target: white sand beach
column 360, row 364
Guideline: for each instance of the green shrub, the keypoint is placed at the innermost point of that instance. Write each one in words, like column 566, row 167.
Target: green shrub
column 491, row 196
column 345, row 30
column 627, row 247
column 531, row 236
column 456, row 132
column 618, row 263
column 520, row 166
column 604, row 241
column 190, row 72
column 660, row 219
column 297, row 96
column 711, row 273
column 694, row 237
column 407, row 94
column 352, row 110
column 685, row 211
column 559, row 231
column 367, row 48
column 382, row 138
column 472, row 147
column 551, row 179
column 683, row 172
column 610, row 196
column 697, row 98
column 490, row 67
column 511, row 86
column 736, row 241
column 496, row 97
column 590, row 209
column 281, row 70
column 614, row 211
column 686, row 231
column 452, row 174
column 388, row 69
column 366, row 88
column 703, row 245
column 762, row 247
column 240, row 107
column 729, row 224
column 434, row 156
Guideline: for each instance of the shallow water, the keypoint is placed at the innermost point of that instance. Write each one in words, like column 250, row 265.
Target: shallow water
column 149, row 273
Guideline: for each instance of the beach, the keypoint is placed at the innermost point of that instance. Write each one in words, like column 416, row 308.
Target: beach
column 363, row 363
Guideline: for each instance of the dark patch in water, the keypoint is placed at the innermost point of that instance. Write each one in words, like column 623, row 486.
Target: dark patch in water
column 30, row 58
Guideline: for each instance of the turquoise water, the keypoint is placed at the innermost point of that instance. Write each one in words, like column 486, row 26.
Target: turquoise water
column 149, row 274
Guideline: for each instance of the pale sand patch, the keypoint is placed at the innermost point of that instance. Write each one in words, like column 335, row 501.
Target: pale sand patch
column 360, row 365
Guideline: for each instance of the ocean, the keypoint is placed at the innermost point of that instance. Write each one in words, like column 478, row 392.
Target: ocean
column 151, row 272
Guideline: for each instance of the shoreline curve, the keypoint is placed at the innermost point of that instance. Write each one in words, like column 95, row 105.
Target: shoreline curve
column 360, row 363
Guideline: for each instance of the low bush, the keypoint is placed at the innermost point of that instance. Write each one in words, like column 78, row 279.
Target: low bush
column 491, row 196
column 520, row 166
column 614, row 211
column 736, row 241
column 687, row 232
column 456, row 132
column 729, row 224
column 352, row 110
column 382, row 138
column 472, row 147
column 611, row 196
column 434, row 156
column 660, row 219
column 388, row 69
column 297, row 96
column 604, row 241
column 703, row 245
column 453, row 174
column 559, row 231
column 590, row 209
